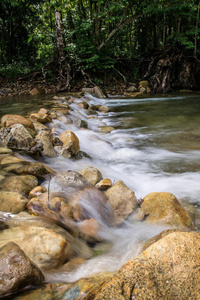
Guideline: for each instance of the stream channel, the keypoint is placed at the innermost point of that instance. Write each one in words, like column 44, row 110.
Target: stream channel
column 154, row 147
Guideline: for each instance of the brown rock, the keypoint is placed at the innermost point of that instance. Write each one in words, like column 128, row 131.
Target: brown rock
column 17, row 270
column 168, row 269
column 37, row 191
column 36, row 91
column 46, row 247
column 165, row 209
column 104, row 184
column 83, row 105
column 5, row 151
column 89, row 230
column 122, row 201
column 40, row 117
column 93, row 175
column 106, row 129
column 20, row 184
column 45, row 137
column 12, row 202
column 43, row 111
column 70, row 142
column 9, row 120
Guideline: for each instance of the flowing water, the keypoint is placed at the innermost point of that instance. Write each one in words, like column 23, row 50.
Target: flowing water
column 154, row 147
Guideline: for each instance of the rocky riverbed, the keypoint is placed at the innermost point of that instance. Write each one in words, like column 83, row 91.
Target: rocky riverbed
column 55, row 221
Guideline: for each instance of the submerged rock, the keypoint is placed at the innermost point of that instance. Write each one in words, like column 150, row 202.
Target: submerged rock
column 122, row 201
column 165, row 209
column 17, row 270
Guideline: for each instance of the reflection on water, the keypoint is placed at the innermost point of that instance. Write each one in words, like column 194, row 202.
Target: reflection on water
column 24, row 105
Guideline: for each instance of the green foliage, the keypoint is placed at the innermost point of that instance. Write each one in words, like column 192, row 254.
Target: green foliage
column 27, row 32
column 14, row 70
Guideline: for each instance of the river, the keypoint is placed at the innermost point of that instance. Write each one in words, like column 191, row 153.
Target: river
column 154, row 147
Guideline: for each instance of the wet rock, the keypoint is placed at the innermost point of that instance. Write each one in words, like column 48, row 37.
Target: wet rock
column 36, row 91
column 89, row 230
column 46, row 247
column 33, row 168
column 70, row 142
column 122, row 201
column 39, row 126
column 104, row 184
column 103, row 108
column 160, row 272
column 17, row 270
column 157, row 237
column 80, row 123
column 53, row 207
column 106, row 129
column 67, row 178
column 11, row 160
column 132, row 89
column 45, row 137
column 21, row 184
column 165, row 209
column 83, row 105
column 95, row 91
column 4, row 91
column 12, row 202
column 38, row 190
column 90, row 203
column 9, row 120
column 5, row 151
column 57, row 142
column 91, row 174
column 41, row 117
column 44, row 111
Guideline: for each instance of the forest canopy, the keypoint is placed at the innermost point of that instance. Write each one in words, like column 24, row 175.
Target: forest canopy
column 90, row 37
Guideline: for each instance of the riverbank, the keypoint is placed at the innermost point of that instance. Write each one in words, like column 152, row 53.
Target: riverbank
column 82, row 227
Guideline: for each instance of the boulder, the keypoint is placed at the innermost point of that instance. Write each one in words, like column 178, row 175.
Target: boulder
column 122, row 201
column 95, row 91
column 67, row 178
column 168, row 269
column 36, row 91
column 9, row 120
column 70, row 142
column 12, row 202
column 104, row 184
column 22, row 184
column 165, row 209
column 46, row 247
column 41, row 117
column 45, row 137
column 93, row 175
column 17, row 270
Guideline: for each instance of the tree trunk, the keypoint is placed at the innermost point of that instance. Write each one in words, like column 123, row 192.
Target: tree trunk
column 197, row 25
column 63, row 65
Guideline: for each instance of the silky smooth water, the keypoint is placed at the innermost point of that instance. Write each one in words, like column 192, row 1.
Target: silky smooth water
column 154, row 147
